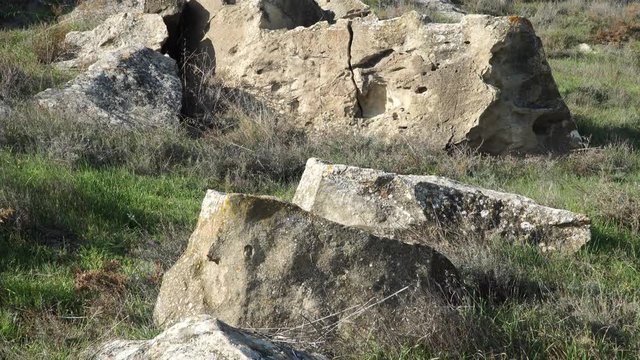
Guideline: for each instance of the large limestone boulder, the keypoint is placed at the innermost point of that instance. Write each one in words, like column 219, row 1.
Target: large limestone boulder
column 200, row 337
column 401, row 206
column 483, row 81
column 129, row 87
column 257, row 262
column 118, row 31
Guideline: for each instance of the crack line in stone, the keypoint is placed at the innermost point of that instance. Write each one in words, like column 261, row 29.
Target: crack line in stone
column 353, row 77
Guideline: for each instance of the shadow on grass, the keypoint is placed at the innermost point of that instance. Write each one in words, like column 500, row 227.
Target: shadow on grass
column 498, row 290
column 604, row 134
column 56, row 216
column 16, row 14
column 608, row 239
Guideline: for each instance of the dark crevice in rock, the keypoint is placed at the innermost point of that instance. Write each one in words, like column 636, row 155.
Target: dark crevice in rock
column 289, row 14
column 359, row 111
column 373, row 60
column 171, row 46
column 195, row 57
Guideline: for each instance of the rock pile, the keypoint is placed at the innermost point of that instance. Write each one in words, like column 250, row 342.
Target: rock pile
column 259, row 262
column 338, row 262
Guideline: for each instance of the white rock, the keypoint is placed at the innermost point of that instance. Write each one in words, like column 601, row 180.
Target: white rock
column 431, row 202
column 201, row 337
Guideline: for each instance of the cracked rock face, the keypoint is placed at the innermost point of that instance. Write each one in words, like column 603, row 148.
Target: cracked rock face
column 200, row 337
column 261, row 263
column 118, row 31
column 483, row 81
column 397, row 206
column 131, row 87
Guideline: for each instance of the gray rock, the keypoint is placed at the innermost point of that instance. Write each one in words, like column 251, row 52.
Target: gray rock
column 131, row 87
column 201, row 337
column 257, row 262
column 398, row 206
column 442, row 9
column 118, row 31
column 99, row 10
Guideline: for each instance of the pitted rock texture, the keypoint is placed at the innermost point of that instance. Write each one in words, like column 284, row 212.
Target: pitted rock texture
column 257, row 262
column 483, row 81
column 200, row 337
column 392, row 205
column 131, row 87
column 118, row 31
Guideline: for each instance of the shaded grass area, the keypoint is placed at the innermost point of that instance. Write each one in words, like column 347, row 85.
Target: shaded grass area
column 23, row 13
column 91, row 216
column 67, row 223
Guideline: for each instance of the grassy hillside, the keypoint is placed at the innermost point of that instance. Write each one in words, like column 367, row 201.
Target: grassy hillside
column 91, row 217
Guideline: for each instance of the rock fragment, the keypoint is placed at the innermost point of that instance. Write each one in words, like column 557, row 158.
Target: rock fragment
column 201, row 337
column 99, row 10
column 398, row 206
column 118, row 31
column 131, row 87
column 345, row 9
column 257, row 262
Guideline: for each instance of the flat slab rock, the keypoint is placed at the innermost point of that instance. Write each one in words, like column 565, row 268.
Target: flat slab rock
column 257, row 262
column 201, row 337
column 118, row 31
column 393, row 205
column 130, row 87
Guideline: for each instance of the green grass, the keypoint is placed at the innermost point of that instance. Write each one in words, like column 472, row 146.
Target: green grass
column 70, row 221
column 98, row 214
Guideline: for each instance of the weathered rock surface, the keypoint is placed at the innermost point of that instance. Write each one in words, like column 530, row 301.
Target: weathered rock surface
column 257, row 262
column 345, row 9
column 392, row 205
column 99, row 10
column 483, row 81
column 200, row 337
column 444, row 9
column 130, row 87
column 118, row 31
